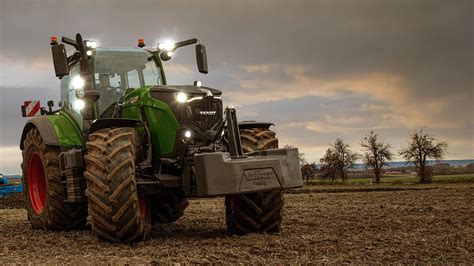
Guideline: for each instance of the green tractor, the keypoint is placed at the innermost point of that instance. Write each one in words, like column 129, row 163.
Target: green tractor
column 125, row 150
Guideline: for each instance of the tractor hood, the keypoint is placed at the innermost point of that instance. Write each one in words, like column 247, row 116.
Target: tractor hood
column 189, row 89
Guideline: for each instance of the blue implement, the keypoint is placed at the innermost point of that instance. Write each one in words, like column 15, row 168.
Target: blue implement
column 10, row 185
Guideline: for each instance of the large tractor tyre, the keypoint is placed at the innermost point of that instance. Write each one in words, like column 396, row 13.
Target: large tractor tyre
column 255, row 212
column 116, row 212
column 258, row 139
column 167, row 207
column 43, row 191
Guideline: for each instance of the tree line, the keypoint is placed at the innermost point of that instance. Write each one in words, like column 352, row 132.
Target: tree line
column 339, row 157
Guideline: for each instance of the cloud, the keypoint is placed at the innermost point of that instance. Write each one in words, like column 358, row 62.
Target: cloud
column 295, row 81
column 460, row 149
column 179, row 69
column 312, row 153
column 335, row 124
column 399, row 102
column 35, row 72
column 261, row 68
column 326, row 128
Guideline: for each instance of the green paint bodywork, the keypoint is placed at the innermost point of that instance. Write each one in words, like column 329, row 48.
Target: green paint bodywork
column 68, row 132
column 161, row 120
column 162, row 123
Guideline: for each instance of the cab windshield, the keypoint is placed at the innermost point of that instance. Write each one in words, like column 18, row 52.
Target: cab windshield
column 118, row 71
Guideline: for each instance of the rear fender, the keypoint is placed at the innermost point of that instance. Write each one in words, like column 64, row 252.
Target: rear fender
column 56, row 130
column 254, row 124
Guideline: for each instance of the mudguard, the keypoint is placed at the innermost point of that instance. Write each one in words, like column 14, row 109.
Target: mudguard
column 254, row 124
column 56, row 130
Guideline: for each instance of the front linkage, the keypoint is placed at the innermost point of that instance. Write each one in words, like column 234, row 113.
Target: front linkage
column 222, row 167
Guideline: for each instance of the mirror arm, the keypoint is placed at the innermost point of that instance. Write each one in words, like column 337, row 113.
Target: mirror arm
column 73, row 59
column 69, row 41
column 185, row 43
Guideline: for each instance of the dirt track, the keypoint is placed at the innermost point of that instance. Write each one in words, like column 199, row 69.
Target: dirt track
column 435, row 225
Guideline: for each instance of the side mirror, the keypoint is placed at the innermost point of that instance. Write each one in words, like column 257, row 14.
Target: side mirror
column 201, row 58
column 60, row 60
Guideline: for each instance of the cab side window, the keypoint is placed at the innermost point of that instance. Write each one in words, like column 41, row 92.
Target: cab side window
column 68, row 94
column 133, row 79
column 75, row 104
column 69, row 102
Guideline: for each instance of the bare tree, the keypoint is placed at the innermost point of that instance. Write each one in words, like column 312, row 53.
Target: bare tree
column 338, row 159
column 422, row 147
column 328, row 167
column 345, row 158
column 308, row 170
column 376, row 154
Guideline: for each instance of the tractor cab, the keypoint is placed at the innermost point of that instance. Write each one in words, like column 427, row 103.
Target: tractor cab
column 115, row 72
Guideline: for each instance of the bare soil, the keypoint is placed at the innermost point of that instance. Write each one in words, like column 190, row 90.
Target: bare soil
column 433, row 225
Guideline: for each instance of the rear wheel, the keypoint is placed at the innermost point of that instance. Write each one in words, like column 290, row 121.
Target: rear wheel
column 168, row 207
column 258, row 139
column 255, row 212
column 43, row 191
column 116, row 212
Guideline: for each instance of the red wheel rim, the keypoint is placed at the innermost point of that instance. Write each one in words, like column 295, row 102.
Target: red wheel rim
column 143, row 205
column 36, row 183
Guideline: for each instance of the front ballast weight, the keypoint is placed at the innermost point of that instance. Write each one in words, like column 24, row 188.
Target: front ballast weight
column 233, row 172
column 259, row 171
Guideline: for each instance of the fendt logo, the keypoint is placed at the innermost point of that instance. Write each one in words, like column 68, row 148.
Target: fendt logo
column 207, row 112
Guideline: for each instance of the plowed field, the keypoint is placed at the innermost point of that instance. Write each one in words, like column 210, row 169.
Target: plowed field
column 399, row 226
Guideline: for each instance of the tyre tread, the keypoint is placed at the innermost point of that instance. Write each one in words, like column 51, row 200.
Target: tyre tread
column 255, row 212
column 111, row 186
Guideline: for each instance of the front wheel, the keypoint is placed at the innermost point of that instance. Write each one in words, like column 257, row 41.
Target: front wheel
column 116, row 212
column 255, row 212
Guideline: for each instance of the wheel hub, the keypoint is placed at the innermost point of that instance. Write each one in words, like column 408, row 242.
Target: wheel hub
column 36, row 183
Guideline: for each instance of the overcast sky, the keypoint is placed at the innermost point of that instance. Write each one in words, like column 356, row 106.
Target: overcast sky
column 318, row 69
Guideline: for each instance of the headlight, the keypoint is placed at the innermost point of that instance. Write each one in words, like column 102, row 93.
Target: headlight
column 91, row 44
column 78, row 82
column 167, row 46
column 181, row 97
column 79, row 105
column 187, row 134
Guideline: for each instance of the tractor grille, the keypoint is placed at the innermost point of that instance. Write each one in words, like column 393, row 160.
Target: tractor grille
column 206, row 112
